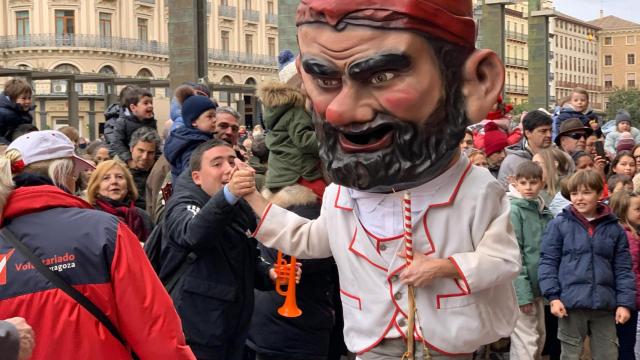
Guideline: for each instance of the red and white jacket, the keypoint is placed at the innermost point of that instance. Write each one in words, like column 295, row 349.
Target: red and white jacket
column 466, row 220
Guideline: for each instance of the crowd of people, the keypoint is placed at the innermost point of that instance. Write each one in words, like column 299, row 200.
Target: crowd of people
column 189, row 193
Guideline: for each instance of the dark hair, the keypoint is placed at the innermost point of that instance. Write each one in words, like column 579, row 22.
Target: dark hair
column 618, row 178
column 183, row 92
column 21, row 130
column 16, row 87
column 583, row 178
column 468, row 131
column 259, row 149
column 124, row 92
column 619, row 157
column 529, row 170
column 535, row 119
column 94, row 146
column 145, row 134
column 133, row 96
column 196, row 157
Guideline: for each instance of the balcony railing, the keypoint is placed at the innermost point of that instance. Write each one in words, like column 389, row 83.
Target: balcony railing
column 83, row 41
column 271, row 19
column 251, row 15
column 152, row 2
column 514, row 35
column 516, row 62
column 244, row 58
column 572, row 85
column 122, row 44
column 517, row 89
column 227, row 11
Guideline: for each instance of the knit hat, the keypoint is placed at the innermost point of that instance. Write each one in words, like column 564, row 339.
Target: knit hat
column 286, row 66
column 494, row 139
column 193, row 107
column 625, row 142
column 622, row 115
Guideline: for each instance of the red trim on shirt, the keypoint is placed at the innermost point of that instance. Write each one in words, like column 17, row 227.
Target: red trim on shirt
column 264, row 216
column 357, row 253
column 384, row 333
column 464, row 278
column 352, row 297
column 335, row 204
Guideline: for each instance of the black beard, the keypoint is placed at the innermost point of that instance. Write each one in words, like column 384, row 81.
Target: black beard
column 418, row 153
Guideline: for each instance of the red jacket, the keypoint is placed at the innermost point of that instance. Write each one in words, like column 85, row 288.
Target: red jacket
column 103, row 259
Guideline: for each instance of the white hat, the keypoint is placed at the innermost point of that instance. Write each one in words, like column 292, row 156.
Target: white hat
column 47, row 145
column 287, row 66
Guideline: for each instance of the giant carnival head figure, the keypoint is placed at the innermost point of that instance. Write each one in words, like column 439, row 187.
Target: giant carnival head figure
column 393, row 85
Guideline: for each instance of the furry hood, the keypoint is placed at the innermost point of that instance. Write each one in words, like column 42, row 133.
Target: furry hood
column 293, row 195
column 275, row 94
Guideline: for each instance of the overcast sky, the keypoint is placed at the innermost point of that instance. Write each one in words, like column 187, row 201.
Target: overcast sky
column 590, row 9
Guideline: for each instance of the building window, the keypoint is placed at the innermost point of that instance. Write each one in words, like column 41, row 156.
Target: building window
column 248, row 43
column 65, row 22
column 608, row 41
column 631, row 80
column 247, row 4
column 105, row 24
column 272, row 46
column 143, row 29
column 631, row 40
column 224, row 37
column 270, row 8
column 631, row 59
column 608, row 81
column 22, row 23
column 224, row 2
column 608, row 61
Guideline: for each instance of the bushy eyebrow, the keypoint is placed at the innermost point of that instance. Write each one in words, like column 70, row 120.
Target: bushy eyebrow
column 363, row 70
column 318, row 67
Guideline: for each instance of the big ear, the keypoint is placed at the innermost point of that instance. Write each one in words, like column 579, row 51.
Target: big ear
column 483, row 76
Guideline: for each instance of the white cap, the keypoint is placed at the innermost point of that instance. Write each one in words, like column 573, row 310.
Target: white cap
column 47, row 145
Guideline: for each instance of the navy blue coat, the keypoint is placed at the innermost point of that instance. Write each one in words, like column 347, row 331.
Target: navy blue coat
column 11, row 115
column 180, row 145
column 567, row 113
column 214, row 297
column 587, row 265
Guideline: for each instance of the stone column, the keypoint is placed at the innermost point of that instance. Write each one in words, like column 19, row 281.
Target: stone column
column 188, row 50
column 539, row 87
column 287, row 25
column 73, row 100
column 492, row 26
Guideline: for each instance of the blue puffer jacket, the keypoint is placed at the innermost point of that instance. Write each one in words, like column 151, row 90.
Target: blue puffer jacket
column 586, row 264
column 180, row 145
column 567, row 113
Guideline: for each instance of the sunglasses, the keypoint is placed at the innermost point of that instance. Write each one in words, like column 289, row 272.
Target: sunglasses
column 577, row 135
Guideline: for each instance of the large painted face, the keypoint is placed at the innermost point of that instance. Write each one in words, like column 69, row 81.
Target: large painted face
column 384, row 118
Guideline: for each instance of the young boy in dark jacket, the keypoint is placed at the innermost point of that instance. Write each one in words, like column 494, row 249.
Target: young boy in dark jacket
column 576, row 108
column 15, row 105
column 585, row 270
column 138, row 104
column 199, row 116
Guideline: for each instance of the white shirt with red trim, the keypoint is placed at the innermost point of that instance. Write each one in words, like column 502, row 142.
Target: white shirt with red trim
column 462, row 215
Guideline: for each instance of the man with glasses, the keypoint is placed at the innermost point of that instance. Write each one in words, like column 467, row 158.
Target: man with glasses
column 227, row 125
column 573, row 136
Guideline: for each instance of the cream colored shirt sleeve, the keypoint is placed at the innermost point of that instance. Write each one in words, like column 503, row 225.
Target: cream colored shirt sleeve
column 294, row 235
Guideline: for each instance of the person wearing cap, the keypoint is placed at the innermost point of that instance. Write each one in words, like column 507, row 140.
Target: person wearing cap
column 495, row 141
column 199, row 116
column 91, row 250
column 625, row 142
column 573, row 136
column 623, row 124
column 393, row 85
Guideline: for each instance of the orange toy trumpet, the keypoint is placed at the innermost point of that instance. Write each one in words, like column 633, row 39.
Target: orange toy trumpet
column 286, row 270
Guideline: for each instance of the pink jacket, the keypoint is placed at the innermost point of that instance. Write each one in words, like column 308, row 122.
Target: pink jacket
column 634, row 248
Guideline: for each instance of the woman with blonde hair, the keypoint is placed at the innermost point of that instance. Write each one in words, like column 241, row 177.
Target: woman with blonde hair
column 112, row 189
column 120, row 306
column 556, row 165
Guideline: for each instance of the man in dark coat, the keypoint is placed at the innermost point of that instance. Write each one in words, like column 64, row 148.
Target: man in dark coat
column 208, row 225
column 144, row 145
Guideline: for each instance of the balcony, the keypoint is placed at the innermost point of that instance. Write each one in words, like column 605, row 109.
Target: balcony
column 572, row 85
column 517, row 89
column 271, row 19
column 517, row 36
column 251, row 15
column 227, row 11
column 151, row 2
column 244, row 58
column 83, row 41
column 516, row 62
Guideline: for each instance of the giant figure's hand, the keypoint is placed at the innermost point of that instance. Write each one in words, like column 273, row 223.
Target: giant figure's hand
column 423, row 270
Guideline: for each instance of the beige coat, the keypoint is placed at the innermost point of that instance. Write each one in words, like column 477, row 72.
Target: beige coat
column 466, row 220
